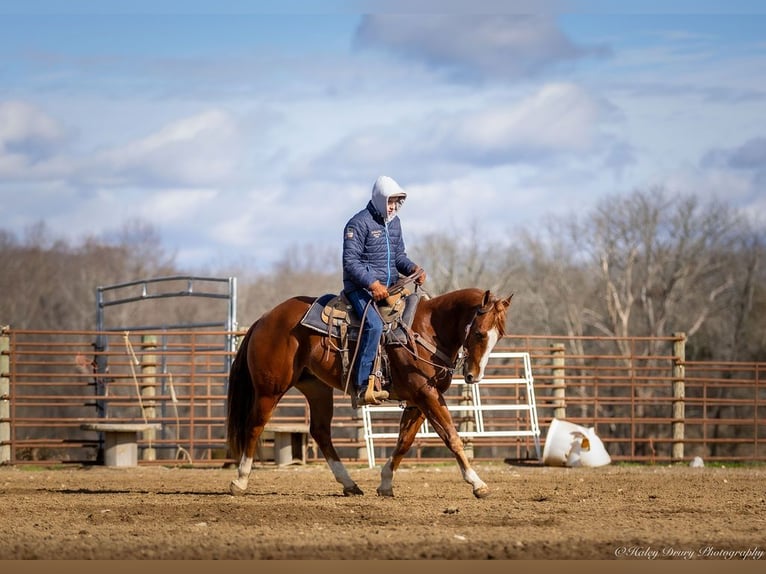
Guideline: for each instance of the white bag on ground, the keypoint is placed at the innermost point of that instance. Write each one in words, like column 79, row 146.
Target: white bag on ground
column 568, row 444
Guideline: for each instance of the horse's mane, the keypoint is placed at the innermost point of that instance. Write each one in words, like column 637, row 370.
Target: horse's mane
column 500, row 323
column 474, row 296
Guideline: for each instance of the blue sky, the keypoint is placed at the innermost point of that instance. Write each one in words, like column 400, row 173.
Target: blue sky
column 240, row 130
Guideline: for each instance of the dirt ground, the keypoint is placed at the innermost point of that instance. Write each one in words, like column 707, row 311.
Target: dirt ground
column 299, row 512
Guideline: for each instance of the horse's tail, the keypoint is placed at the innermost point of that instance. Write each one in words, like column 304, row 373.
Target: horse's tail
column 240, row 400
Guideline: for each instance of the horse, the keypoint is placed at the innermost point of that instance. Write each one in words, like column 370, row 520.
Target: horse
column 278, row 352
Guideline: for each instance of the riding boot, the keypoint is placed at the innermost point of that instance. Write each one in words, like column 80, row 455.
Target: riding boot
column 370, row 393
column 368, row 396
column 374, row 393
column 372, row 396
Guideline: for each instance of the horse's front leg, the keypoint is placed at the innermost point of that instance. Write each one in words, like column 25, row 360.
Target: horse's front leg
column 438, row 415
column 320, row 401
column 412, row 419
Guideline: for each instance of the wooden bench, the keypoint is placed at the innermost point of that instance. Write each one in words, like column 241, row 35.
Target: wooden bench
column 120, row 441
column 290, row 442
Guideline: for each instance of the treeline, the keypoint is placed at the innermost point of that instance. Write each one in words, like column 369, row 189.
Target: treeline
column 648, row 264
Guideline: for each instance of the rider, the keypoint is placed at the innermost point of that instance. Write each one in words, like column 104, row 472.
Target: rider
column 373, row 256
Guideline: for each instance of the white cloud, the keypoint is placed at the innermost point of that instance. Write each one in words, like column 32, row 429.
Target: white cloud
column 475, row 46
column 171, row 206
column 196, row 150
column 557, row 118
column 22, row 122
column 238, row 147
column 27, row 136
column 709, row 184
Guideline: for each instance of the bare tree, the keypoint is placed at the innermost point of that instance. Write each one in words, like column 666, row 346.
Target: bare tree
column 662, row 262
column 560, row 282
column 460, row 259
column 734, row 330
column 303, row 270
column 50, row 283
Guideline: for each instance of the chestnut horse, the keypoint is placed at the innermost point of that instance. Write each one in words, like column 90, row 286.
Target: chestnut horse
column 278, row 352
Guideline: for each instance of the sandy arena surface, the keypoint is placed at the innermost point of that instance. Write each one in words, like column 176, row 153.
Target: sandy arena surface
column 299, row 512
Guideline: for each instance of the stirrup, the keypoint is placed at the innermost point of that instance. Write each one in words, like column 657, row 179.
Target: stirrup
column 369, row 397
column 373, row 397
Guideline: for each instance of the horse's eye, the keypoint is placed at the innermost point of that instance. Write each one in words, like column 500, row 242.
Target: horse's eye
column 479, row 335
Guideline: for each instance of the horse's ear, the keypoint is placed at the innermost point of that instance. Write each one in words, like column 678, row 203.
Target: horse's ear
column 507, row 302
column 487, row 298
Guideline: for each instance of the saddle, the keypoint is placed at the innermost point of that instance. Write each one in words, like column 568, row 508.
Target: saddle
column 334, row 316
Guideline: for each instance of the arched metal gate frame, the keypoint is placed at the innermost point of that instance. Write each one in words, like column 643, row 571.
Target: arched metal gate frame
column 143, row 290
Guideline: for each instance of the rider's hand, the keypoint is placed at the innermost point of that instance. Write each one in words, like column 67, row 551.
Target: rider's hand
column 379, row 292
column 422, row 277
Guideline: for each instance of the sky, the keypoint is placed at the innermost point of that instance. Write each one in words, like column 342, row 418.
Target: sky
column 241, row 130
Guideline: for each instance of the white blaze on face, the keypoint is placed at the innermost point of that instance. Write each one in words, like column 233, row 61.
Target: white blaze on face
column 492, row 337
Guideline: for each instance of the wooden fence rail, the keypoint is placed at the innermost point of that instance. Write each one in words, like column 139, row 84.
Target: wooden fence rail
column 647, row 405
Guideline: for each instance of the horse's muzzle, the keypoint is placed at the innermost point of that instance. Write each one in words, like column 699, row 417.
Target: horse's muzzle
column 469, row 377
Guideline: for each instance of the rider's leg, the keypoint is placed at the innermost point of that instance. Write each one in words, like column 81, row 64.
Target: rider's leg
column 371, row 332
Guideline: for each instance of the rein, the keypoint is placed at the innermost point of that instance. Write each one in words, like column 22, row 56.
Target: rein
column 450, row 367
column 403, row 281
column 356, row 348
column 429, row 346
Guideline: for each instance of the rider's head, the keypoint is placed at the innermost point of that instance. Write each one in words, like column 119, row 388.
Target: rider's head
column 387, row 197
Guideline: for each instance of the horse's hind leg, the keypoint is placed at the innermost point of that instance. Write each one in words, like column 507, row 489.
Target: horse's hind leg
column 264, row 406
column 412, row 419
column 320, row 401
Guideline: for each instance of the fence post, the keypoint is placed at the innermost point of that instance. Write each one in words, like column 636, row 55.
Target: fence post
column 5, row 396
column 148, row 392
column 467, row 423
column 679, row 393
column 559, row 381
column 361, row 452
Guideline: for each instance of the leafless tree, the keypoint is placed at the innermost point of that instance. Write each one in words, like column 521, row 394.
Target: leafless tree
column 306, row 270
column 460, row 259
column 663, row 262
column 51, row 283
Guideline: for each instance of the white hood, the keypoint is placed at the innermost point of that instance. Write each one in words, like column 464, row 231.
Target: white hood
column 384, row 188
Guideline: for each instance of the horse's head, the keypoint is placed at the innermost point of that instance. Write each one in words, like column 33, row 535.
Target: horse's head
column 486, row 329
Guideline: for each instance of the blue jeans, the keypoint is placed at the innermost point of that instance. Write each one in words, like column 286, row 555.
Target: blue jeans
column 371, row 331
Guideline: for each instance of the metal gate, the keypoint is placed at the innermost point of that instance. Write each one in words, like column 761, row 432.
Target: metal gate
column 143, row 292
column 162, row 288
column 471, row 402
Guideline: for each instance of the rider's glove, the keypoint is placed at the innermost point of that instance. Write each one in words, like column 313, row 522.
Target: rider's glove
column 379, row 292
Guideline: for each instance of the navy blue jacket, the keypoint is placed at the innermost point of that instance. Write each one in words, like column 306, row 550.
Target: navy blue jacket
column 373, row 250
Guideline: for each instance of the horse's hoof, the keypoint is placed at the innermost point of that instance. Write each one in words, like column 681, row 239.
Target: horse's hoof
column 352, row 491
column 386, row 492
column 481, row 492
column 236, row 489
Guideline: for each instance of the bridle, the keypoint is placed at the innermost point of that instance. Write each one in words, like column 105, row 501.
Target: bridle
column 450, row 365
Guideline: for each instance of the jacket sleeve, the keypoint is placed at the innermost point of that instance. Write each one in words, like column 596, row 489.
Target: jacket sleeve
column 404, row 264
column 354, row 264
